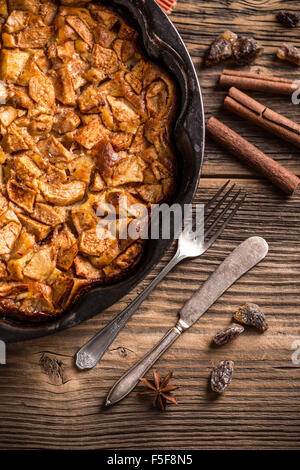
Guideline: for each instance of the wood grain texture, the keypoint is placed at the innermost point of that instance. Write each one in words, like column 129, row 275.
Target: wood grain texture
column 261, row 409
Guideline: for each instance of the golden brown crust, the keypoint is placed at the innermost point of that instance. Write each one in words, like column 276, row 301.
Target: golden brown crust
column 85, row 130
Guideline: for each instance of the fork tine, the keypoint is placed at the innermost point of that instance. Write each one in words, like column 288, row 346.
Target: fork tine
column 220, row 216
column 214, row 210
column 226, row 222
column 212, row 200
column 189, row 224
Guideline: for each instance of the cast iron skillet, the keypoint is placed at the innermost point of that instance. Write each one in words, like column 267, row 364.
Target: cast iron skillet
column 163, row 44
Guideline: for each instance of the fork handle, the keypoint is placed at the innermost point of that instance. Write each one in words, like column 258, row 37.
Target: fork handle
column 88, row 356
column 131, row 378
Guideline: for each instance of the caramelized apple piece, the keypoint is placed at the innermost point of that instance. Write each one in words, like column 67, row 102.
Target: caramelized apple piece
column 66, row 257
column 90, row 100
column 89, row 135
column 85, row 269
column 41, row 264
column 91, row 243
column 3, row 270
column 124, row 261
column 152, row 193
column 36, row 37
column 7, row 115
column 129, row 171
column 104, row 59
column 3, row 204
column 39, row 300
column 17, row 21
column 54, row 150
column 12, row 288
column 65, row 87
column 48, row 11
column 20, row 194
column 8, row 236
column 3, row 8
column 81, row 29
column 16, row 266
column 27, row 5
column 39, row 230
column 63, row 194
column 25, row 168
column 24, row 244
column 65, row 120
column 41, row 91
column 49, row 215
column 12, row 64
column 83, row 219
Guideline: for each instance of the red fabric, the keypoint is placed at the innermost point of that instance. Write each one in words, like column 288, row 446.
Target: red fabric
column 167, row 5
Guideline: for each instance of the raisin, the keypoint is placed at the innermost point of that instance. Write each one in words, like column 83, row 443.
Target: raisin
column 288, row 18
column 228, row 334
column 289, row 53
column 246, row 50
column 220, row 49
column 251, row 315
column 221, row 376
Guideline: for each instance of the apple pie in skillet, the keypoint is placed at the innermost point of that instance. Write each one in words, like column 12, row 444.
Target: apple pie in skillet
column 85, row 123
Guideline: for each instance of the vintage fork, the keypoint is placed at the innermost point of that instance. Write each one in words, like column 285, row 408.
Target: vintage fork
column 189, row 246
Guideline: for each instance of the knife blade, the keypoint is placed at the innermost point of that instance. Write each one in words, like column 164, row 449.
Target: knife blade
column 242, row 259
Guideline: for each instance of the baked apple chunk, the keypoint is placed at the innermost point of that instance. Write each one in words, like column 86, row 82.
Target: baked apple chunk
column 84, row 133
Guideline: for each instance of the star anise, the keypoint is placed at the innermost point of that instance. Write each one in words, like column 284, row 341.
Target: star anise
column 160, row 389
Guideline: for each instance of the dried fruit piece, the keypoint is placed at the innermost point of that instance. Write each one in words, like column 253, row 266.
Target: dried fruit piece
column 228, row 334
column 221, row 48
column 221, row 376
column 241, row 50
column 289, row 53
column 251, row 315
column 288, row 18
column 246, row 50
column 160, row 389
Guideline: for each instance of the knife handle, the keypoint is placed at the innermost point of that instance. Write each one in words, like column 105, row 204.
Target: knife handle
column 131, row 378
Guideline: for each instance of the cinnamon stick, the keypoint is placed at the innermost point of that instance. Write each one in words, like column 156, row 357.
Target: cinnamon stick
column 255, row 112
column 252, row 156
column 257, row 82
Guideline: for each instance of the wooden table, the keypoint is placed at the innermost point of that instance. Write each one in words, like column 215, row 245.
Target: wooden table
column 261, row 409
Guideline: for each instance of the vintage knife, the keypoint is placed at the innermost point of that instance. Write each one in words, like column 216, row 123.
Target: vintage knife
column 244, row 257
